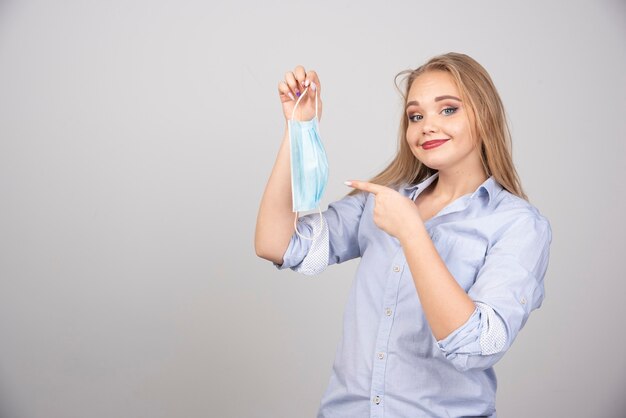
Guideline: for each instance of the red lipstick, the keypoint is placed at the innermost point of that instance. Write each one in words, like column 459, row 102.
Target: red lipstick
column 433, row 144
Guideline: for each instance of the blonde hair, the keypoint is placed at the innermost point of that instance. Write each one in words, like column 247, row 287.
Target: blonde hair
column 490, row 125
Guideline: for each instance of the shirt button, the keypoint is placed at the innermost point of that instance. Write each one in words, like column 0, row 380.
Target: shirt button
column 396, row 268
column 381, row 355
column 523, row 301
column 388, row 311
column 377, row 399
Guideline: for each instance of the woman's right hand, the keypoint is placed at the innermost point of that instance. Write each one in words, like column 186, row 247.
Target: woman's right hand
column 293, row 86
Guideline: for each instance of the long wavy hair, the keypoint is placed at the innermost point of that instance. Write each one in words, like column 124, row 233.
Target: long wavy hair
column 489, row 128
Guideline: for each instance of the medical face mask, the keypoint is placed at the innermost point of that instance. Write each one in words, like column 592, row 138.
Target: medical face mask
column 309, row 166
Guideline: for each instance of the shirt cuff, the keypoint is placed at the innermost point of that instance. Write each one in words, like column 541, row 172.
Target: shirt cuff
column 308, row 250
column 483, row 333
column 465, row 339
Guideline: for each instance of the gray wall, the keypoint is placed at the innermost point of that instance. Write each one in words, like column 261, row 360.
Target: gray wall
column 135, row 140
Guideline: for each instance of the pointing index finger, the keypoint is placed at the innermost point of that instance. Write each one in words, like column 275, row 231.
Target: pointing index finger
column 365, row 186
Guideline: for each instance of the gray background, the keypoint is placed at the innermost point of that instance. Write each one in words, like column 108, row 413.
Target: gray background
column 135, row 141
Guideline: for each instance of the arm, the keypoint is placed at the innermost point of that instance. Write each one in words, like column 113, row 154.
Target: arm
column 508, row 287
column 473, row 330
column 336, row 242
column 274, row 225
column 445, row 303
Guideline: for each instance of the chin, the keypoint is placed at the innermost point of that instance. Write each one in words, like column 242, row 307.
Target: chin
column 432, row 163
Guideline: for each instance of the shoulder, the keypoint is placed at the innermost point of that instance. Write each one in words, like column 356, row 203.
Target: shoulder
column 519, row 215
column 505, row 201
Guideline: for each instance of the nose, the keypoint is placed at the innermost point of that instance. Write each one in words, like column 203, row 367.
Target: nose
column 429, row 125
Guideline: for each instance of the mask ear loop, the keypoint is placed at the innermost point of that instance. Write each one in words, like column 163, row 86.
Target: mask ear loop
column 295, row 227
column 295, row 221
column 293, row 112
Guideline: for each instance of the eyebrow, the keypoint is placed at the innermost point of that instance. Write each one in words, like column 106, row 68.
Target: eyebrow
column 437, row 99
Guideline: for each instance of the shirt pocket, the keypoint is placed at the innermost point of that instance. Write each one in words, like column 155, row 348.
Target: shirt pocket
column 463, row 254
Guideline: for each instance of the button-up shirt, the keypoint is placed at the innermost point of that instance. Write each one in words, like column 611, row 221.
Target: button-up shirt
column 388, row 363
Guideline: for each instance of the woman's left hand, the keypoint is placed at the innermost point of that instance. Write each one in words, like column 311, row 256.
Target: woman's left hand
column 395, row 214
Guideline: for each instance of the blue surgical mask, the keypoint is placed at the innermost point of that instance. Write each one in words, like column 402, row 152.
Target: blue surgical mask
column 309, row 166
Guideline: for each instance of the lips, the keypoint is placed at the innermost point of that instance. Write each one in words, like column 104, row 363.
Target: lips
column 433, row 143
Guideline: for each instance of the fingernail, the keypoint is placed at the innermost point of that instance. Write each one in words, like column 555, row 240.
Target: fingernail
column 306, row 83
column 297, row 93
column 347, row 183
column 290, row 94
column 313, row 86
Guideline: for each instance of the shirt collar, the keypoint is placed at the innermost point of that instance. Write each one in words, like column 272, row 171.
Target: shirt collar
column 412, row 189
column 489, row 188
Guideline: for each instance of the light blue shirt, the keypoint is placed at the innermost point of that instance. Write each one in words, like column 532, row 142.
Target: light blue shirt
column 388, row 363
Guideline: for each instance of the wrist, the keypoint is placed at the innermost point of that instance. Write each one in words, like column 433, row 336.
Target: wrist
column 413, row 233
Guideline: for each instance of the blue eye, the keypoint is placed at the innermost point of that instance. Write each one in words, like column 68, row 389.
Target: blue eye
column 449, row 110
column 415, row 118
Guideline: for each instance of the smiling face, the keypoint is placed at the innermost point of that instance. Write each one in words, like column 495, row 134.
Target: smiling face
column 439, row 131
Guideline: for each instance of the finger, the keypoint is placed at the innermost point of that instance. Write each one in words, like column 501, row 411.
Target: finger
column 300, row 76
column 285, row 92
column 365, row 186
column 291, row 81
column 313, row 81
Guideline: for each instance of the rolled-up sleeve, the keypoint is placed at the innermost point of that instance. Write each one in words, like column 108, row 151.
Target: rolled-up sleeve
column 309, row 253
column 508, row 287
column 332, row 239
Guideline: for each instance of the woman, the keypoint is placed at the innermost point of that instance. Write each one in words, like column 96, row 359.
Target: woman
column 452, row 255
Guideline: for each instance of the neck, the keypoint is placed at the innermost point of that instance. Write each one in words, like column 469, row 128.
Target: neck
column 452, row 185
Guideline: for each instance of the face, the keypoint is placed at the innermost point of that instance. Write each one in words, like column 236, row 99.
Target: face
column 440, row 126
